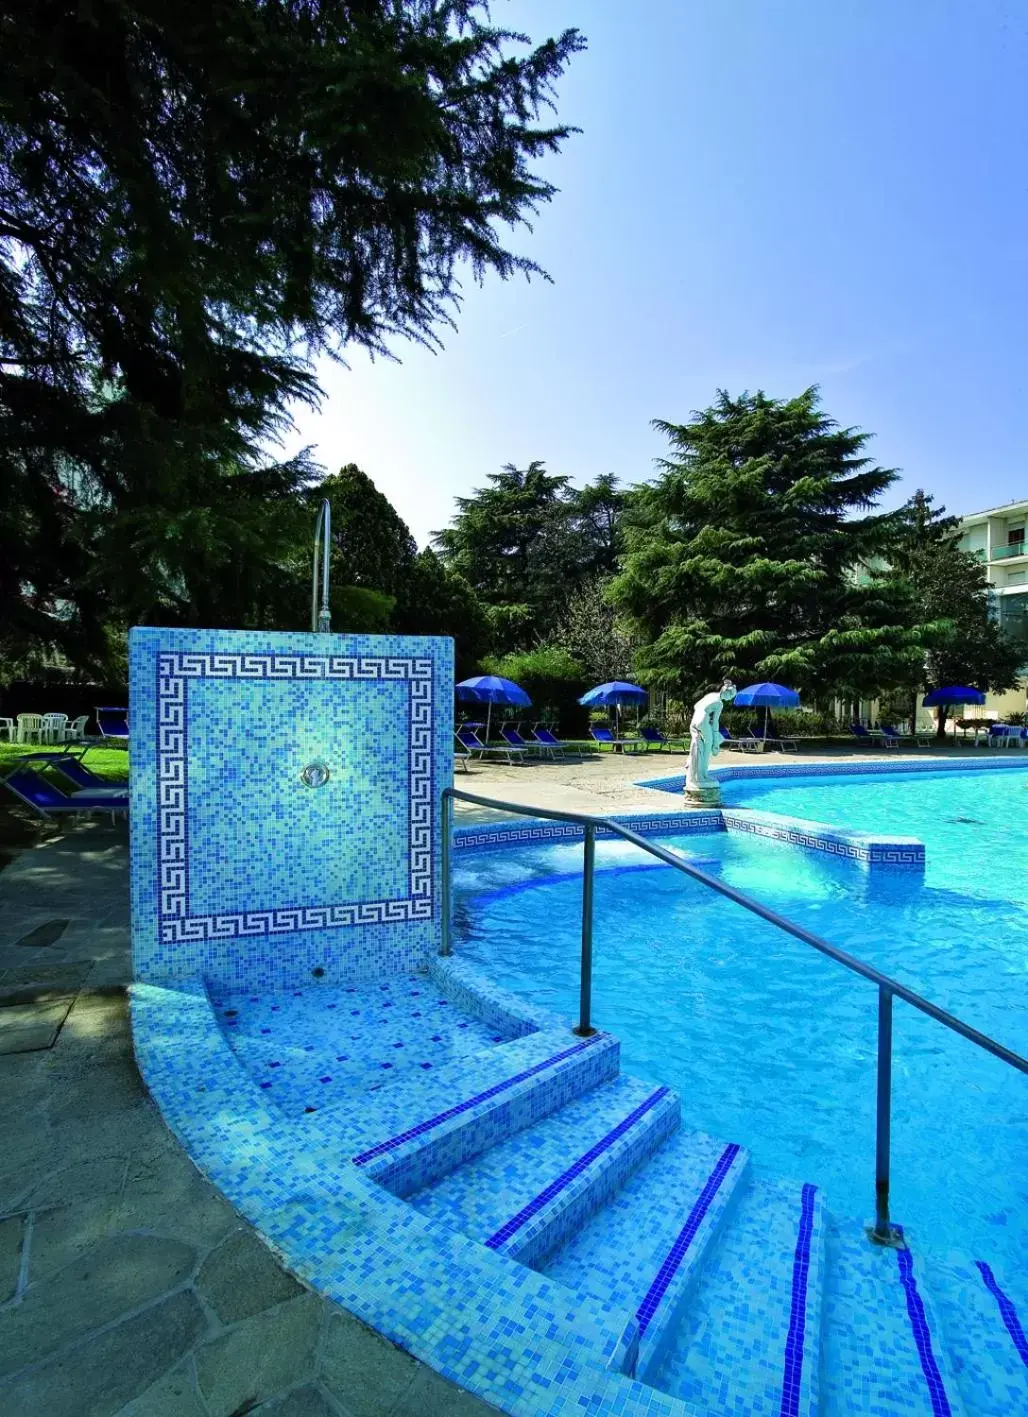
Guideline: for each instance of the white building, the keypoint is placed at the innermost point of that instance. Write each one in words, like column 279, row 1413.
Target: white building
column 998, row 538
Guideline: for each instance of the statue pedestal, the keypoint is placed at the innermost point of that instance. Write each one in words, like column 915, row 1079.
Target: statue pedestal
column 709, row 796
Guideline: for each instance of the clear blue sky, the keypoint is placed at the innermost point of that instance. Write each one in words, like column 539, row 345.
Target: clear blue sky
column 765, row 193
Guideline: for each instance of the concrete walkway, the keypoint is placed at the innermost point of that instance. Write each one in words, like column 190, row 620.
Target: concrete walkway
column 127, row 1284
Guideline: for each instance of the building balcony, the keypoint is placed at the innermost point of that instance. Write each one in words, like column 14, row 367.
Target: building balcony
column 1017, row 548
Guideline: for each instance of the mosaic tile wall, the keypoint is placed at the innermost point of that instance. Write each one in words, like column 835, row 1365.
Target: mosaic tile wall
column 253, row 757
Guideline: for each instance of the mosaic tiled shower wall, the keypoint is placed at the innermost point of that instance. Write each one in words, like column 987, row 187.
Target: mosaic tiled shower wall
column 285, row 803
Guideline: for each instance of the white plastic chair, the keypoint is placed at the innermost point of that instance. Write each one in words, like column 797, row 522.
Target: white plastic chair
column 52, row 728
column 7, row 726
column 30, row 728
column 76, row 729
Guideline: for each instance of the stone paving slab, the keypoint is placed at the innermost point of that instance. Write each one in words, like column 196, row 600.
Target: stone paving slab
column 129, row 1287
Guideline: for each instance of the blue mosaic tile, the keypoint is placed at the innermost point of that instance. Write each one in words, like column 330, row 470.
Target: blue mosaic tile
column 923, row 1336
column 890, row 767
column 864, row 847
column 326, row 1044
column 491, row 836
column 748, row 1340
column 240, row 871
column 503, row 1195
column 1008, row 1311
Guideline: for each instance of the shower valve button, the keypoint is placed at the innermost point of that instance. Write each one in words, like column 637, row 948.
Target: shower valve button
column 315, row 774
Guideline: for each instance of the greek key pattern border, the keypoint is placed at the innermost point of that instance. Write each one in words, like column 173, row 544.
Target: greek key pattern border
column 174, row 672
column 500, row 834
column 876, row 853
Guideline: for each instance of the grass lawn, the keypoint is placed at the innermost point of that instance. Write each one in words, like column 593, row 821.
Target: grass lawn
column 109, row 763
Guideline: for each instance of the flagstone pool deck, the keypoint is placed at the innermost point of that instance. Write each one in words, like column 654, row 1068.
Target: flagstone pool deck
column 128, row 1285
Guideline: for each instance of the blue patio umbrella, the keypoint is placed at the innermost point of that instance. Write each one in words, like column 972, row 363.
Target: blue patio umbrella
column 613, row 695
column 767, row 696
column 616, row 693
column 492, row 689
column 952, row 694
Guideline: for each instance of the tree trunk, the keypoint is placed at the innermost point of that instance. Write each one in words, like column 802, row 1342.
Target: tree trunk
column 940, row 727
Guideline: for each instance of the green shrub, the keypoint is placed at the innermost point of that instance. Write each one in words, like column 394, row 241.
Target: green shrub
column 554, row 681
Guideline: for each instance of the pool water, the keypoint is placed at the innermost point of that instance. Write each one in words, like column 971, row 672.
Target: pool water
column 769, row 1043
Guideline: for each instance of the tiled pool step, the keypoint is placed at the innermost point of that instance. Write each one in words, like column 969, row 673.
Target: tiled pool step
column 641, row 1252
column 468, row 1107
column 316, row 1047
column 984, row 1315
column 525, row 1196
column 750, row 1337
column 885, row 1350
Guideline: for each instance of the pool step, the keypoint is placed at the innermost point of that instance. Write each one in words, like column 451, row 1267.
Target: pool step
column 984, row 1314
column 463, row 1111
column 641, row 1253
column 885, row 1350
column 749, row 1340
column 526, row 1195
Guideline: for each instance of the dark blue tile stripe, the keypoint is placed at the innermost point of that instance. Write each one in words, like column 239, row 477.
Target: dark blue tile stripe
column 1007, row 1311
column 514, row 1224
column 922, row 1336
column 793, row 1373
column 685, row 1237
column 384, row 1147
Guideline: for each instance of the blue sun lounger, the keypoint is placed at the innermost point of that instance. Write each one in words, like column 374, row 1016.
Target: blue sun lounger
column 744, row 745
column 654, row 735
column 871, row 740
column 43, row 797
column 473, row 746
column 546, row 738
column 113, row 724
column 71, row 766
column 513, row 739
column 604, row 736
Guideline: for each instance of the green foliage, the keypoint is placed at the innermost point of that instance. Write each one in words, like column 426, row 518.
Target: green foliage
column 525, row 542
column 593, row 633
column 437, row 601
column 194, row 198
column 551, row 677
column 950, row 590
column 109, row 763
column 740, row 557
column 371, row 544
column 791, row 723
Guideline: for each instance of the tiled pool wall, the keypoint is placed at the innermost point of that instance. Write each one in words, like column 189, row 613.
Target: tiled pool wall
column 867, row 849
column 889, row 765
column 242, row 872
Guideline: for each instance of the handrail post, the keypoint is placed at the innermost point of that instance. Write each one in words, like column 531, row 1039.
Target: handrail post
column 883, row 1232
column 585, row 1028
column 446, row 943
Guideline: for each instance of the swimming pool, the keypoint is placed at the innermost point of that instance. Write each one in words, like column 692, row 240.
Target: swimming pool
column 773, row 1045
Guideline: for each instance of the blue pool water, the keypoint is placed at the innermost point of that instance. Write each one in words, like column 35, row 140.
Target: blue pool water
column 772, row 1045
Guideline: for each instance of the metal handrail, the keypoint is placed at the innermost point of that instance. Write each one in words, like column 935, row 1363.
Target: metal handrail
column 883, row 1232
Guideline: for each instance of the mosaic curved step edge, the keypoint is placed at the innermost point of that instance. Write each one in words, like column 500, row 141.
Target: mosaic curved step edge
column 651, row 1251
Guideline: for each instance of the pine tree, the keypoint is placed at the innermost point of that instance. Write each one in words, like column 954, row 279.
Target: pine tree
column 743, row 557
column 528, row 541
column 512, row 543
column 195, row 198
column 951, row 592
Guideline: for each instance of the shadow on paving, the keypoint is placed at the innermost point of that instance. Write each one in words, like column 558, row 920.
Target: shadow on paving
column 128, row 1285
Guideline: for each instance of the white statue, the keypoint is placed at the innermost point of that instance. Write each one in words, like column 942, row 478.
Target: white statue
column 705, row 743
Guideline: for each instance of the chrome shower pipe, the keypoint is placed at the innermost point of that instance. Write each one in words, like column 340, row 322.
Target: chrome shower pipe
column 321, row 616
